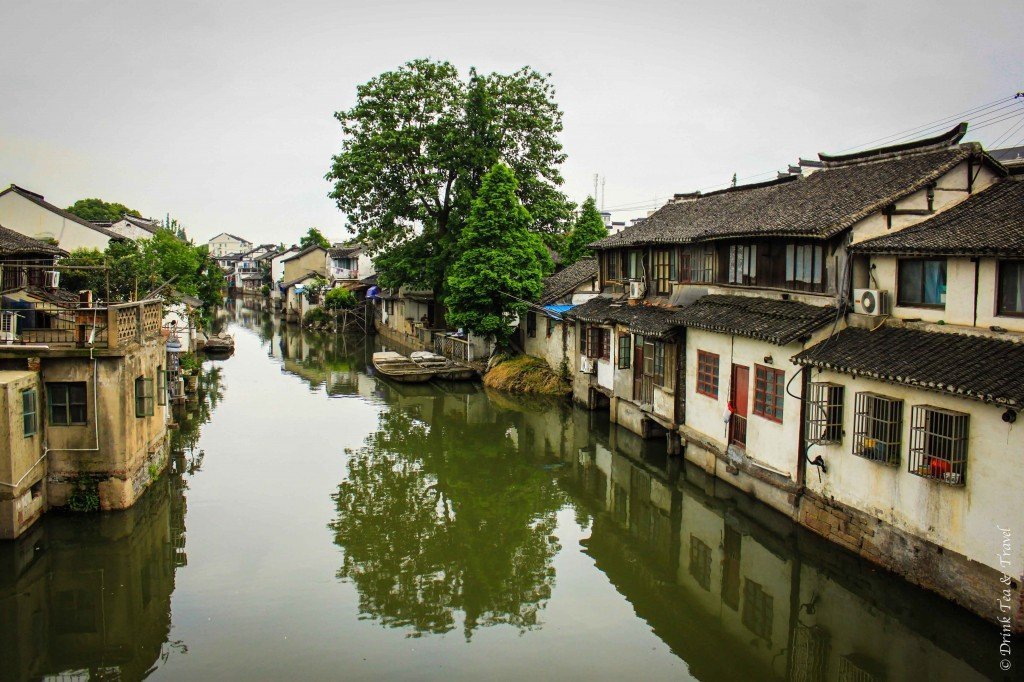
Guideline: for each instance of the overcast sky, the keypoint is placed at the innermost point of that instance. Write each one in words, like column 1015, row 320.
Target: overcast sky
column 220, row 113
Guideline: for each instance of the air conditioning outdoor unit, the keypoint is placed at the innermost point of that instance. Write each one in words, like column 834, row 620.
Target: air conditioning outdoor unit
column 8, row 326
column 636, row 289
column 870, row 301
column 587, row 365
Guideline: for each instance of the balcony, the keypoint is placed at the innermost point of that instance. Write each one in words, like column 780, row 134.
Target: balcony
column 66, row 325
column 344, row 273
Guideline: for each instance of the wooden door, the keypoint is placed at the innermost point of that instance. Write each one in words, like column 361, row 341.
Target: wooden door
column 638, row 364
column 739, row 398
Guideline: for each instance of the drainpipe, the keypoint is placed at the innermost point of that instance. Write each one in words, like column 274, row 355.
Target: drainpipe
column 977, row 265
column 801, row 459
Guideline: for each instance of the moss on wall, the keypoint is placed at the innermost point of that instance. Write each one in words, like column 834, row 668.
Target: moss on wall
column 527, row 374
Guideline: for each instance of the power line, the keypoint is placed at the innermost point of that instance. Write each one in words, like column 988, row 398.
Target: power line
column 1009, row 133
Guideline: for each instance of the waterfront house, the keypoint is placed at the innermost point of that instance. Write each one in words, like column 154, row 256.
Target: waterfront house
column 295, row 301
column 298, row 271
column 277, row 272
column 542, row 331
column 31, row 215
column 84, row 394
column 347, row 264
column 225, row 243
column 134, row 228
column 26, row 262
column 247, row 276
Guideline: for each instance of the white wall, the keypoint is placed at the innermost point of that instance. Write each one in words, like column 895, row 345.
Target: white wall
column 32, row 220
column 961, row 518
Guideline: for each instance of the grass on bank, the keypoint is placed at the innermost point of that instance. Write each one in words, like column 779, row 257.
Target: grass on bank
column 527, row 374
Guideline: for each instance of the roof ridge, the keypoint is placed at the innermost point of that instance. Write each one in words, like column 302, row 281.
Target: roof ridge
column 934, row 143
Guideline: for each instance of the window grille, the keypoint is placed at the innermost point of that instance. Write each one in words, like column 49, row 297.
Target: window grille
column 67, row 401
column 857, row 668
column 707, row 374
column 825, row 413
column 29, row 410
column 700, row 562
column 612, row 266
column 664, row 270
column 161, row 386
column 625, row 351
column 938, row 444
column 877, row 428
column 769, row 385
column 659, row 363
column 144, row 397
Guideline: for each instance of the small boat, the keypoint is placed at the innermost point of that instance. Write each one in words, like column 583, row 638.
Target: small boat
column 220, row 345
column 444, row 369
column 400, row 368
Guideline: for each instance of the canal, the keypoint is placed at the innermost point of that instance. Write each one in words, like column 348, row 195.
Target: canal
column 320, row 522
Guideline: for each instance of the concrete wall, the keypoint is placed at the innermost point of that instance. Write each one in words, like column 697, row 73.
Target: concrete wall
column 547, row 347
column 21, row 215
column 277, row 271
column 21, row 464
column 223, row 244
column 313, row 261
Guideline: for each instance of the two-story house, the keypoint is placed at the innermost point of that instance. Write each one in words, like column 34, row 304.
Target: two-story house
column 31, row 215
column 225, row 244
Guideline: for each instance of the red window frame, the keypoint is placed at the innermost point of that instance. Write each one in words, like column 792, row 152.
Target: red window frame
column 606, row 344
column 770, row 384
column 707, row 373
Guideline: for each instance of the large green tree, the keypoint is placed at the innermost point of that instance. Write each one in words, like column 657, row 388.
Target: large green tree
column 314, row 237
column 501, row 264
column 416, row 146
column 588, row 229
column 97, row 210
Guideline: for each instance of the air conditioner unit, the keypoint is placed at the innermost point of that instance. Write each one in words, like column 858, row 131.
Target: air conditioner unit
column 53, row 279
column 8, row 326
column 636, row 289
column 870, row 302
column 587, row 365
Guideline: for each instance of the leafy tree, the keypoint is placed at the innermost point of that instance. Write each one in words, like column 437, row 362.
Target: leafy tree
column 588, row 229
column 314, row 237
column 502, row 264
column 100, row 211
column 339, row 298
column 417, row 144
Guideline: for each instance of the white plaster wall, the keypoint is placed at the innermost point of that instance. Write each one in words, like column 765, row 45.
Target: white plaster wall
column 769, row 444
column 605, row 372
column 222, row 245
column 988, row 287
column 959, row 291
column 963, row 519
column 548, row 348
column 32, row 220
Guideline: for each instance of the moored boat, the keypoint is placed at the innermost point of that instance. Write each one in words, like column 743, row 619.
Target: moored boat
column 400, row 368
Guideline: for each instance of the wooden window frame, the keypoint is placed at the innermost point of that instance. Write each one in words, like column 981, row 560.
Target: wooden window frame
column 665, row 270
column 161, row 386
column 901, row 301
column 765, row 378
column 606, row 344
column 612, row 263
column 741, row 272
column 799, row 255
column 1000, row 311
column 550, row 326
column 708, row 377
column 625, row 355
column 29, row 412
column 145, row 398
column 55, row 390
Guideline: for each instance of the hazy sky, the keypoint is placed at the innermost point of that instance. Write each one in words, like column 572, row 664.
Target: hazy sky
column 221, row 112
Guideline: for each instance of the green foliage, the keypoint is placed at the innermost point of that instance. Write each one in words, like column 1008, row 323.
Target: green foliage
column 100, row 211
column 189, row 362
column 339, row 298
column 315, row 289
column 84, row 498
column 417, row 144
column 314, row 237
column 501, row 263
column 315, row 316
column 588, row 229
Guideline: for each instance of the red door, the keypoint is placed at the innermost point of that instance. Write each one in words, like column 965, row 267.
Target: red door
column 739, row 400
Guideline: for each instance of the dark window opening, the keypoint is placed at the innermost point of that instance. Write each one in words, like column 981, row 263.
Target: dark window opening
column 67, row 401
column 921, row 283
column 1011, row 288
column 769, row 385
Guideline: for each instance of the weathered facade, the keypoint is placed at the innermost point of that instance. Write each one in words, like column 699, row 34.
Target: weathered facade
column 31, row 215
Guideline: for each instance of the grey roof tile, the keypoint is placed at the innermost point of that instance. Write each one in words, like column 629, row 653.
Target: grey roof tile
column 773, row 320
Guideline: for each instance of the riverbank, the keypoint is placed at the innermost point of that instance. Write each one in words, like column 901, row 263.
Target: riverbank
column 527, row 375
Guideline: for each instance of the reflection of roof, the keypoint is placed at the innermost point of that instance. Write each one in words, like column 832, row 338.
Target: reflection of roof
column 68, row 215
column 819, row 205
column 776, row 321
column 649, row 320
column 15, row 243
column 981, row 368
column 990, row 222
column 565, row 281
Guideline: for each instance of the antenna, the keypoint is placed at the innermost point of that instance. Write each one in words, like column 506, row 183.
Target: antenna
column 595, row 186
column 603, row 179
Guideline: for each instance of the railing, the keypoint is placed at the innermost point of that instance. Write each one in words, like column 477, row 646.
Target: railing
column 82, row 326
column 452, row 347
column 344, row 273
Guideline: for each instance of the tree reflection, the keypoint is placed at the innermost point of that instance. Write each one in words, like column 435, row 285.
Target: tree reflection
column 445, row 517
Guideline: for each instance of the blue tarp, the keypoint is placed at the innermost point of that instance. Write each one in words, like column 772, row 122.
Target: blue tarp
column 558, row 310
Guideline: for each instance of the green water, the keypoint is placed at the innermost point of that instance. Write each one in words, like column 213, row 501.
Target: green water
column 321, row 522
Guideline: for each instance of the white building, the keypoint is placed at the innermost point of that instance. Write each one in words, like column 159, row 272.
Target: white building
column 31, row 215
column 225, row 244
column 135, row 228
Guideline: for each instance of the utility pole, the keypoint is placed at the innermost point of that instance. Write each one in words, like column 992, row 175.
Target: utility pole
column 603, row 180
column 595, row 186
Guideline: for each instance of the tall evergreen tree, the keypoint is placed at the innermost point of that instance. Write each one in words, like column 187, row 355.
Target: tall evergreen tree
column 588, row 229
column 501, row 263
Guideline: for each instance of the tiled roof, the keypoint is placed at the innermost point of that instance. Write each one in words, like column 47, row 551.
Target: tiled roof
column 303, row 252
column 990, row 222
column 773, row 320
column 565, row 281
column 650, row 320
column 981, row 368
column 819, row 205
column 151, row 226
column 68, row 215
column 233, row 236
column 341, row 250
column 297, row 280
column 14, row 243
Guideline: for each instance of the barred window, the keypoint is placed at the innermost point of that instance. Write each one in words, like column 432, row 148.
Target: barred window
column 938, row 444
column 144, row 397
column 700, row 562
column 67, row 403
column 758, row 610
column 769, row 385
column 664, row 270
column 29, row 412
column 825, row 413
column 707, row 374
column 877, row 428
column 625, row 351
column 702, row 264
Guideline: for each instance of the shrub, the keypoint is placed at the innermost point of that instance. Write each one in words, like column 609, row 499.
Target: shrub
column 316, row 316
column 339, row 298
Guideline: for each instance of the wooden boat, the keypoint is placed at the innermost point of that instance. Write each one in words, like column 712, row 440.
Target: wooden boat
column 221, row 345
column 400, row 368
column 444, row 369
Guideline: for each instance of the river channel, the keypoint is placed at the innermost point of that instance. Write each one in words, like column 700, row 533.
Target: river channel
column 321, row 522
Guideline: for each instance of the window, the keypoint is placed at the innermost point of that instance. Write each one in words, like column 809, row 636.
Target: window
column 606, row 344
column 758, row 610
column 611, row 267
column 804, row 266
column 1011, row 288
column 67, row 403
column 699, row 264
column 659, row 363
column 921, row 283
column 877, row 428
column 598, row 342
column 742, row 264
column 700, row 562
column 769, row 385
column 664, row 270
column 625, row 351
column 825, row 413
column 29, row 416
column 938, row 444
column 161, row 386
column 531, row 325
column 707, row 374
column 584, row 335
column 635, row 265
column 143, row 397
column 551, row 326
